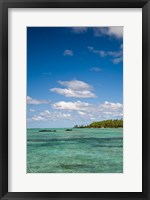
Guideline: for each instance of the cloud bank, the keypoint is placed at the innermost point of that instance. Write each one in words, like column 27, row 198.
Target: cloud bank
column 79, row 110
column 116, row 56
column 32, row 101
column 112, row 31
column 74, row 88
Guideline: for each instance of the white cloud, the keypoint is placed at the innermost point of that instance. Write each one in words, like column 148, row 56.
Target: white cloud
column 45, row 113
column 32, row 101
column 117, row 60
column 116, row 55
column 76, row 85
column 68, row 52
column 77, row 105
column 51, row 116
column 87, row 111
column 81, row 113
column 100, row 31
column 111, row 110
column 38, row 118
column 110, row 105
column 103, row 53
column 78, row 110
column 116, row 31
column 75, row 88
column 113, row 31
column 79, row 30
column 31, row 110
column 107, row 113
column 96, row 69
column 74, row 93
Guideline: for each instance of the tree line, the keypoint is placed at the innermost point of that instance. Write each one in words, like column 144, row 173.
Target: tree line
column 116, row 123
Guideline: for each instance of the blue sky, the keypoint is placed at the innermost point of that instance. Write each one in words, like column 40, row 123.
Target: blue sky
column 74, row 75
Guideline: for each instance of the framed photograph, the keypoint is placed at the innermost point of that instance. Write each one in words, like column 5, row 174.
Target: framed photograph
column 74, row 99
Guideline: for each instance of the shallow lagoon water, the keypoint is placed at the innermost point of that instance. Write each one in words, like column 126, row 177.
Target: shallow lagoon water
column 82, row 150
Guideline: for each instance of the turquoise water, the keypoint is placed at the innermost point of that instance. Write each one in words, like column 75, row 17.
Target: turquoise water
column 82, row 150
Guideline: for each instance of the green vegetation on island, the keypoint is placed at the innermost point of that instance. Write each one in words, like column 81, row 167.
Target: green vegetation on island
column 116, row 123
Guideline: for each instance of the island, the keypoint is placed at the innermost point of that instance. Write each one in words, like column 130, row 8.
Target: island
column 116, row 123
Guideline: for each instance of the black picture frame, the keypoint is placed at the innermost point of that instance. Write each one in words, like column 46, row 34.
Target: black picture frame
column 4, row 6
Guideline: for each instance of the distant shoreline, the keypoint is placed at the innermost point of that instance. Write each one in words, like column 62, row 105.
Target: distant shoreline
column 98, row 128
column 79, row 128
column 116, row 123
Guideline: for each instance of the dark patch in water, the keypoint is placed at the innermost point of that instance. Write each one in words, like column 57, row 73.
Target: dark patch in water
column 109, row 146
column 73, row 166
column 44, row 144
column 94, row 142
column 75, row 139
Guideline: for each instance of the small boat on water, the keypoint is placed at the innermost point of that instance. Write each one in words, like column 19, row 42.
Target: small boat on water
column 47, row 130
column 68, row 129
